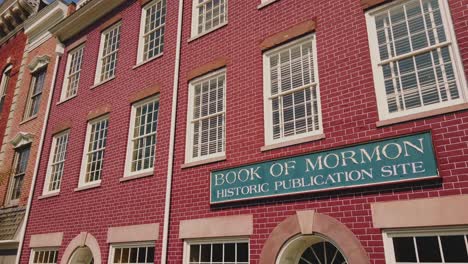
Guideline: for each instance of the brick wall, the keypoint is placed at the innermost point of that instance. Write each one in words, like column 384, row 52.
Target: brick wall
column 349, row 117
column 114, row 203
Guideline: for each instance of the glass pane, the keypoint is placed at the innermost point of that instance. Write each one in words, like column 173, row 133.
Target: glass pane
column 428, row 249
column 243, row 252
column 230, row 252
column 454, row 248
column 194, row 253
column 404, row 249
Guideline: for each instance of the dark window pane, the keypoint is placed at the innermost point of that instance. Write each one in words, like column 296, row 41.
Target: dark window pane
column 454, row 249
column 404, row 249
column 229, row 252
column 142, row 255
column 133, row 255
column 217, row 253
column 194, row 253
column 205, row 253
column 150, row 258
column 243, row 252
column 117, row 254
column 428, row 249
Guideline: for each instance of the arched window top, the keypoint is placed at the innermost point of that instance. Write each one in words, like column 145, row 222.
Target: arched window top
column 7, row 69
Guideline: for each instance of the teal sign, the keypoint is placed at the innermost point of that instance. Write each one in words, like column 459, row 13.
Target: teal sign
column 395, row 160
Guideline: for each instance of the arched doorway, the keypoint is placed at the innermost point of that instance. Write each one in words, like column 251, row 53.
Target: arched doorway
column 82, row 255
column 311, row 249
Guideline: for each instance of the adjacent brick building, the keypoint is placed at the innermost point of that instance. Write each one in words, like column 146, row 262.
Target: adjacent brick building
column 305, row 132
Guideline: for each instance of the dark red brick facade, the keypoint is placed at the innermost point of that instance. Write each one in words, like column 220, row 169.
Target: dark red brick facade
column 349, row 112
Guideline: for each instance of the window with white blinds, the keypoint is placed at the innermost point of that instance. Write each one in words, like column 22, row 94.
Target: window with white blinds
column 153, row 21
column 143, row 134
column 415, row 58
column 292, row 98
column 108, row 54
column 208, row 15
column 206, row 117
column 95, row 145
column 73, row 70
column 56, row 162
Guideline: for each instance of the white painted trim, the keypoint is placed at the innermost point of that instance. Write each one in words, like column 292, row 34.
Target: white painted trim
column 141, row 39
column 45, row 190
column 170, row 159
column 97, row 76
column 59, row 51
column 236, row 240
column 82, row 184
column 377, row 70
column 194, row 30
column 66, row 80
column 267, row 106
column 34, row 250
column 128, row 159
column 189, row 125
column 113, row 247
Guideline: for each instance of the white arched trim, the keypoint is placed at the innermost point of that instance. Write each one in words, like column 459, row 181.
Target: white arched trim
column 82, row 240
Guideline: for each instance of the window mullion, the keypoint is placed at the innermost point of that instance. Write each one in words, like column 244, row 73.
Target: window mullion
column 400, row 92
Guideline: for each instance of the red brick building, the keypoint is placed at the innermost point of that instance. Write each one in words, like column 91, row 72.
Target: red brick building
column 305, row 132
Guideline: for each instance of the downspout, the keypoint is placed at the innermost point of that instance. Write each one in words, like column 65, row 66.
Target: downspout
column 59, row 51
column 170, row 162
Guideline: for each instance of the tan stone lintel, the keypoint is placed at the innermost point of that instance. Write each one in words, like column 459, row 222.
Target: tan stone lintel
column 67, row 124
column 441, row 211
column 100, row 111
column 288, row 34
column 366, row 4
column 147, row 92
column 110, row 22
column 76, row 43
column 144, row 2
column 208, row 67
column 434, row 112
column 46, row 240
column 134, row 233
column 224, row 226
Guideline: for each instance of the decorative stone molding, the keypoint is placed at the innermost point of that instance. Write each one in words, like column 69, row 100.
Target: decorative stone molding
column 208, row 67
column 22, row 139
column 39, row 63
column 288, row 34
column 82, row 240
column 134, row 233
column 46, row 240
column 309, row 223
column 225, row 226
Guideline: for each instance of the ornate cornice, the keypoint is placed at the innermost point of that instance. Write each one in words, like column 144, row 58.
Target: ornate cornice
column 22, row 139
column 39, row 63
column 13, row 13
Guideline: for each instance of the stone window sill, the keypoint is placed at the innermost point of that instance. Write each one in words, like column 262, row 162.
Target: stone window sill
column 28, row 119
column 203, row 162
column 136, row 176
column 87, row 187
column 208, row 31
column 141, row 63
column 293, row 142
column 266, row 3
column 102, row 83
column 48, row 195
column 66, row 100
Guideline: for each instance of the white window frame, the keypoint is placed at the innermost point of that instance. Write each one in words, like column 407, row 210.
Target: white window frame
column 97, row 78
column 114, row 246
column 378, row 75
column 388, row 236
column 6, row 76
column 34, row 250
column 128, row 159
column 141, row 42
column 189, row 242
column 14, row 174
column 28, row 114
column 53, row 147
column 66, row 80
column 84, row 161
column 268, row 113
column 190, row 128
column 194, row 31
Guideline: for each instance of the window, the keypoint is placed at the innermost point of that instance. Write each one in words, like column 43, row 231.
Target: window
column 56, row 162
column 291, row 88
column 73, row 70
column 20, row 164
column 208, row 15
column 153, row 21
column 93, row 155
column 415, row 58
column 436, row 246
column 135, row 254
column 220, row 252
column 4, row 85
column 44, row 256
column 143, row 135
column 206, row 117
column 37, row 86
column 107, row 62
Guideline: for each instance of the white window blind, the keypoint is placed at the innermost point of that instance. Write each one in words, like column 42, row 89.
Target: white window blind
column 208, row 15
column 56, row 162
column 143, row 135
column 292, row 92
column 207, row 117
column 414, row 57
column 152, row 35
column 94, row 150
column 110, row 44
column 72, row 79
